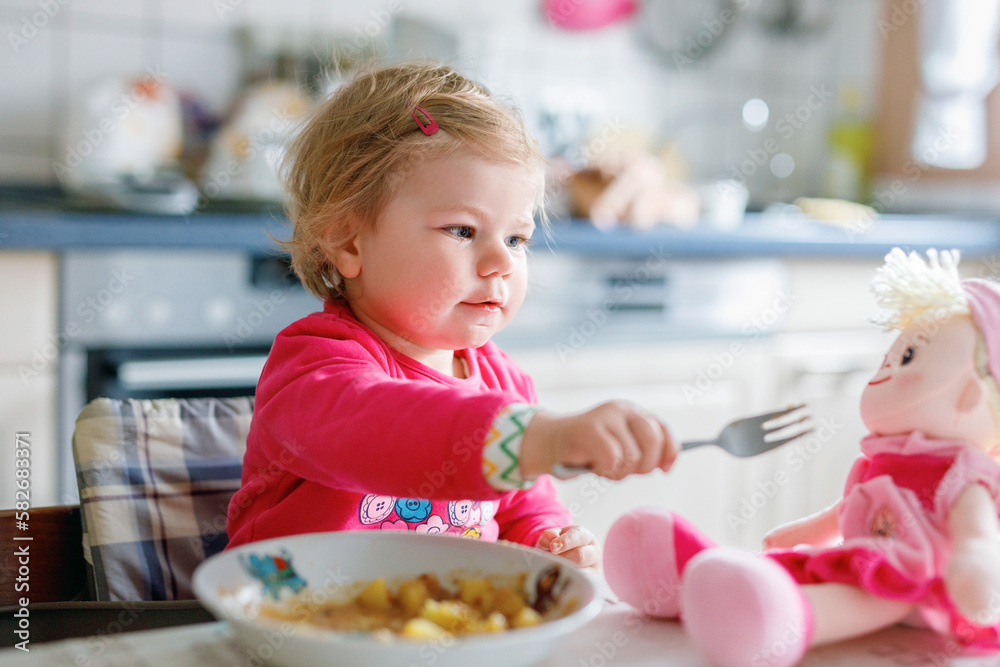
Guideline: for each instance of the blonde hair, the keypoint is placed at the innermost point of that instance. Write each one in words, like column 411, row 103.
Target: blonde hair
column 341, row 169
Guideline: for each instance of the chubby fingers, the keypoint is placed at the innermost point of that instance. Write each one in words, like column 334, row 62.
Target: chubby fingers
column 587, row 556
column 614, row 440
column 627, row 441
column 575, row 543
column 621, row 451
column 572, row 537
column 668, row 454
column 649, row 437
column 545, row 539
column 645, row 445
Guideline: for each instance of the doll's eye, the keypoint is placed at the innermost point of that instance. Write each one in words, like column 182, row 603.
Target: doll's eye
column 907, row 356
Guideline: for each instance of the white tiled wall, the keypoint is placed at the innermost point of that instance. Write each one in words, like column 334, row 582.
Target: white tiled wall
column 509, row 45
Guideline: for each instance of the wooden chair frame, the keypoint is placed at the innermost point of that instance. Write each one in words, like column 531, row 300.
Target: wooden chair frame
column 58, row 603
column 55, row 567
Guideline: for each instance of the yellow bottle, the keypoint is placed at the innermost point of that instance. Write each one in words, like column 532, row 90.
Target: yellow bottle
column 851, row 140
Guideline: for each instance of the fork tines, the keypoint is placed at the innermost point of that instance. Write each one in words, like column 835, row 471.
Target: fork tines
column 788, row 424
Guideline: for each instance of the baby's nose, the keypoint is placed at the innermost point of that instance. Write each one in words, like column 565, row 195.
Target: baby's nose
column 495, row 260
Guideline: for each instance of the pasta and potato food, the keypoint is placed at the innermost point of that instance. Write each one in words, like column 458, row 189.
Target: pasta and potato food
column 421, row 608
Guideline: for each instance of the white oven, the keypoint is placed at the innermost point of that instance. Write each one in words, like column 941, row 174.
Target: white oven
column 166, row 323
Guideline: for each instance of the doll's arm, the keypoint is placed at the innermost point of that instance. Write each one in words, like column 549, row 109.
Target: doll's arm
column 816, row 530
column 973, row 574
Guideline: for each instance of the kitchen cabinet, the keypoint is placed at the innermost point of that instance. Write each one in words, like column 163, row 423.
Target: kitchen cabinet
column 819, row 350
column 822, row 354
column 826, row 370
column 670, row 381
column 29, row 344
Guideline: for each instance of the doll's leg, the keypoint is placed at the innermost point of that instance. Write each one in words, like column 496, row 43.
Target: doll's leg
column 745, row 610
column 645, row 553
column 742, row 609
column 840, row 612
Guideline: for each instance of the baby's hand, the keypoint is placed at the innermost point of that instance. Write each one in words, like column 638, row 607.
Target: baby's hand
column 614, row 439
column 573, row 542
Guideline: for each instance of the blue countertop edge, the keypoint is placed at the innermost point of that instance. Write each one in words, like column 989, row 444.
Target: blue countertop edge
column 59, row 231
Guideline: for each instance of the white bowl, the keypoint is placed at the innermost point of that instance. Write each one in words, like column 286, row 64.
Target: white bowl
column 331, row 564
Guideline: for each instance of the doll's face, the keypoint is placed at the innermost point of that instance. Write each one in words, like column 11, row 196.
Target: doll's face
column 928, row 382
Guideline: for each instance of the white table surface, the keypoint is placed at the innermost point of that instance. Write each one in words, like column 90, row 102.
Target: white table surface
column 618, row 636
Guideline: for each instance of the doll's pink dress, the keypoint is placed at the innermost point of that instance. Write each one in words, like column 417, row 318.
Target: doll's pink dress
column 894, row 519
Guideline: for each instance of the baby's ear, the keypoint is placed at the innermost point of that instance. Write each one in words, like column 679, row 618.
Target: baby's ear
column 970, row 396
column 347, row 259
column 344, row 255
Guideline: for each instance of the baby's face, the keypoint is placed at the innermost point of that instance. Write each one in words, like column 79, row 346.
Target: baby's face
column 445, row 268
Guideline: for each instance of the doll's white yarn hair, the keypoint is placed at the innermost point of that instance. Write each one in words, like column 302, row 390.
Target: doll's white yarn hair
column 907, row 289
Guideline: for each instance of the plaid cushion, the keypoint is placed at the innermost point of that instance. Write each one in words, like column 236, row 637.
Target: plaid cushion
column 155, row 481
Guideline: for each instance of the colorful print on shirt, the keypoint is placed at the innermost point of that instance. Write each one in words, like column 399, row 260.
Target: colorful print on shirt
column 461, row 517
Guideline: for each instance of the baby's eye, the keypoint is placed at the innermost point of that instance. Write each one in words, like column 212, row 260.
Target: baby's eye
column 518, row 241
column 907, row 356
column 461, row 231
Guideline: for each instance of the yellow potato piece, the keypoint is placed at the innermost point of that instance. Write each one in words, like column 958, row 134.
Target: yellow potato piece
column 452, row 615
column 526, row 618
column 413, row 593
column 508, row 602
column 421, row 628
column 376, row 596
column 495, row 622
column 477, row 593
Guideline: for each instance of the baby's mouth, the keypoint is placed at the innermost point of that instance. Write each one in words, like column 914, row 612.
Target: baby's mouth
column 885, row 379
column 488, row 305
column 489, row 301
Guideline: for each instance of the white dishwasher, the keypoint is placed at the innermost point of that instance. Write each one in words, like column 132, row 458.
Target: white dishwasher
column 686, row 339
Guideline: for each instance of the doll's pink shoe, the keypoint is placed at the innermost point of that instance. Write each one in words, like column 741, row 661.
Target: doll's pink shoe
column 744, row 610
column 645, row 553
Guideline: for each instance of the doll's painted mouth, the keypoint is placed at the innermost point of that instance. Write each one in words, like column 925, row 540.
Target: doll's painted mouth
column 885, row 379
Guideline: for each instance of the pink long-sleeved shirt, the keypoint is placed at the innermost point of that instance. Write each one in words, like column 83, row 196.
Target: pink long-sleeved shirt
column 348, row 434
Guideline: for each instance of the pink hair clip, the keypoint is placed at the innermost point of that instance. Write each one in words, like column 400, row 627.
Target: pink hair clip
column 431, row 127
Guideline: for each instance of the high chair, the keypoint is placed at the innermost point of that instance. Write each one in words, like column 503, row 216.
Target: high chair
column 155, row 479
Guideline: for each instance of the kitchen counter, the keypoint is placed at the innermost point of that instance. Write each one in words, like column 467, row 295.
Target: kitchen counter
column 40, row 224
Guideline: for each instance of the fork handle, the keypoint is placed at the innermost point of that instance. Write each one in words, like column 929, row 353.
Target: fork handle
column 691, row 444
column 563, row 471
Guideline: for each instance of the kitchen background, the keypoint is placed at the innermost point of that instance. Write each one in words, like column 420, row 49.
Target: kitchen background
column 712, row 58
column 720, row 318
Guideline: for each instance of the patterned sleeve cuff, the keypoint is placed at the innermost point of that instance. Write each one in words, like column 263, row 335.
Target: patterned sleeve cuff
column 502, row 451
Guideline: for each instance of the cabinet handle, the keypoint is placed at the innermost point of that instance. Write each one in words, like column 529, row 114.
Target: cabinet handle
column 191, row 373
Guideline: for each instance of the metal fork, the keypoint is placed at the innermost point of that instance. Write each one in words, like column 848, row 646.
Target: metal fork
column 745, row 437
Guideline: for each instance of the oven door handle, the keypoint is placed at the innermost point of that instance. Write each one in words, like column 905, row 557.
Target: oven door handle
column 192, row 373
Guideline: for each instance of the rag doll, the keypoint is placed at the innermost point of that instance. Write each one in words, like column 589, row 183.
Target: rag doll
column 915, row 536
